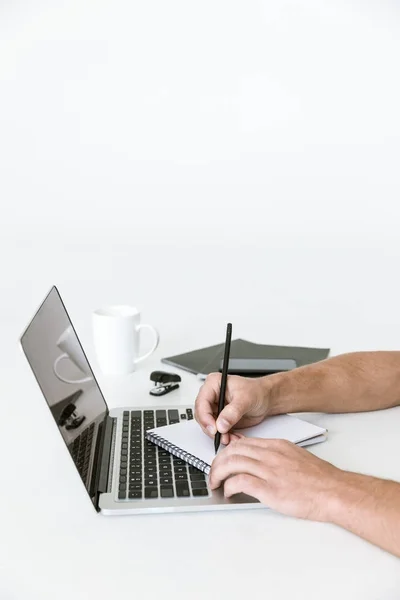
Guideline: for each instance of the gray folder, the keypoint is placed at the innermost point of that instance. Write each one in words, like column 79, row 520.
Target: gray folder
column 207, row 360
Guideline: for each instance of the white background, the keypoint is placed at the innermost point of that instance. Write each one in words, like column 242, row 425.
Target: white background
column 203, row 161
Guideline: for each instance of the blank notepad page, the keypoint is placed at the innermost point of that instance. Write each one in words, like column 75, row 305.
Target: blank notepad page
column 190, row 437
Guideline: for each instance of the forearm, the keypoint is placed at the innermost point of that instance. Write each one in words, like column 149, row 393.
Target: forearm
column 358, row 381
column 368, row 507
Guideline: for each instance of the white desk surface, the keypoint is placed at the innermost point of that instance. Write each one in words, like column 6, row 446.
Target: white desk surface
column 206, row 163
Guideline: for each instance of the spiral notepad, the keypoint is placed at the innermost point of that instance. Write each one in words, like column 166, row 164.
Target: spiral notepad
column 187, row 441
column 176, row 451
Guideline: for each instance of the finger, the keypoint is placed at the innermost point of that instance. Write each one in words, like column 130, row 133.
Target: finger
column 276, row 445
column 232, row 465
column 232, row 413
column 226, row 439
column 239, row 447
column 206, row 403
column 246, row 484
column 234, row 436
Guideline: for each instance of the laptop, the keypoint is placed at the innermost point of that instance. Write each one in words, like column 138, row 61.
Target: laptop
column 122, row 472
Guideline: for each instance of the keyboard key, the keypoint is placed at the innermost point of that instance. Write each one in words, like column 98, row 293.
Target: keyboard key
column 164, row 460
column 137, row 413
column 179, row 463
column 198, row 485
column 122, row 479
column 135, row 473
column 183, row 416
column 161, row 414
column 126, row 413
column 167, row 491
column 201, row 492
column 166, row 480
column 123, row 471
column 180, row 469
column 121, row 495
column 150, row 470
column 124, row 452
column 166, row 467
column 150, row 482
column 197, row 477
column 182, row 489
column 181, row 477
column 135, row 495
column 194, row 470
column 124, row 446
column 150, row 492
column 122, row 487
column 173, row 415
column 135, row 486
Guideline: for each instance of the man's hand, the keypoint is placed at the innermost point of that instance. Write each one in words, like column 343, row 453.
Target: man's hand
column 279, row 474
column 293, row 481
column 246, row 404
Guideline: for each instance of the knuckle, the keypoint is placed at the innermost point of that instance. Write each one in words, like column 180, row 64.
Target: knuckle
column 211, row 378
column 243, row 480
column 232, row 459
column 233, row 412
column 233, row 446
column 281, row 444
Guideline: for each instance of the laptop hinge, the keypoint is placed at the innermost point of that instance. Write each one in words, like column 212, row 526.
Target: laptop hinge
column 104, row 468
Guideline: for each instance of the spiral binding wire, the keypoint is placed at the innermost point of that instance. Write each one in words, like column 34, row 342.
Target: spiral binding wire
column 186, row 456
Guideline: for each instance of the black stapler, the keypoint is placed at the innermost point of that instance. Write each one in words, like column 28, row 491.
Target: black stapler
column 165, row 382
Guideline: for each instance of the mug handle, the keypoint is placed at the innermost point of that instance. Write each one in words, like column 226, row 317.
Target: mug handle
column 61, row 378
column 156, row 342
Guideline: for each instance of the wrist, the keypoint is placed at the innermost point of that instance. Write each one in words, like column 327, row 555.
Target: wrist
column 275, row 389
column 348, row 498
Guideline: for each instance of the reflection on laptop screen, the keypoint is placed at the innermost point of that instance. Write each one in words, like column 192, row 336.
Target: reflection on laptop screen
column 67, row 382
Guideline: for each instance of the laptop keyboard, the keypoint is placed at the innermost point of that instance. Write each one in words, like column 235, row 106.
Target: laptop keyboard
column 147, row 471
column 81, row 449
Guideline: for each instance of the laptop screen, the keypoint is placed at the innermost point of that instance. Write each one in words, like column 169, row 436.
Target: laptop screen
column 68, row 384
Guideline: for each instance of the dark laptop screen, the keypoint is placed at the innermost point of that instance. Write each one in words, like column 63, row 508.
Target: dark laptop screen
column 64, row 375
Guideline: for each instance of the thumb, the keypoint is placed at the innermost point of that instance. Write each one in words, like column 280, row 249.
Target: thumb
column 231, row 415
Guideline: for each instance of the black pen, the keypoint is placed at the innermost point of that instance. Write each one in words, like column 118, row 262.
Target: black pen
column 224, row 377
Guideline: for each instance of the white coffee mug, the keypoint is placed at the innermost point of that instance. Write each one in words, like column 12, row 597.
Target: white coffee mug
column 69, row 345
column 116, row 333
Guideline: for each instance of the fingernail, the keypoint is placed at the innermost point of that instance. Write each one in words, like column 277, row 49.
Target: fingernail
column 211, row 429
column 223, row 425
